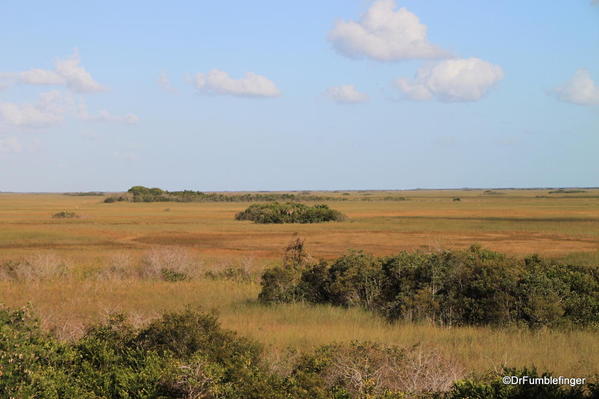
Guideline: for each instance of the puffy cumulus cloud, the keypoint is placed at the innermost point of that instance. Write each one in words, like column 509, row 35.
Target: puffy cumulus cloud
column 68, row 72
column 453, row 80
column 346, row 94
column 49, row 109
column 251, row 85
column 580, row 89
column 385, row 34
column 10, row 145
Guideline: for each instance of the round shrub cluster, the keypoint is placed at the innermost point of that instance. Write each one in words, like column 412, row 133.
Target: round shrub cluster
column 290, row 212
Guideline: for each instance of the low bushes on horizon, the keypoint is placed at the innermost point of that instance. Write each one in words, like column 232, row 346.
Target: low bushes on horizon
column 460, row 287
column 290, row 212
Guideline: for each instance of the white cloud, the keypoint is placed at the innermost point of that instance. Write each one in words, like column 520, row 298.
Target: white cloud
column 346, row 94
column 165, row 83
column 105, row 116
column 48, row 110
column 68, row 72
column 75, row 76
column 41, row 77
column 10, row 145
column 385, row 34
column 6, row 80
column 52, row 108
column 454, row 80
column 251, row 85
column 580, row 89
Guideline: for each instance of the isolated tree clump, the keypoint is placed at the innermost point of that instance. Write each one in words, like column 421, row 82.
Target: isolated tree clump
column 290, row 212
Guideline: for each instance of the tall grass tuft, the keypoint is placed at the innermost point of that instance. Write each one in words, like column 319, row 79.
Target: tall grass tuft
column 38, row 267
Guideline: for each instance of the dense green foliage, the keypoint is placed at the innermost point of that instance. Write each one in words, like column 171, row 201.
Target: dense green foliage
column 290, row 212
column 471, row 287
column 188, row 355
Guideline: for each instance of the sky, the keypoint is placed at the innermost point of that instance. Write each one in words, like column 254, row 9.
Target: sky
column 298, row 95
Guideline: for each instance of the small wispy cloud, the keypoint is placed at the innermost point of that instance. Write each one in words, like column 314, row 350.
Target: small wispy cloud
column 68, row 72
column 250, row 85
column 10, row 145
column 106, row 116
column 346, row 94
column 165, row 84
column 48, row 110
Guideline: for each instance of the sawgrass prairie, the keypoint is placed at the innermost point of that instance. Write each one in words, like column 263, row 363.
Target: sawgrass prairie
column 558, row 225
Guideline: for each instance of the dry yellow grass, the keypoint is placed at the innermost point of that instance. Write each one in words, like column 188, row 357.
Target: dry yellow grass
column 67, row 307
column 112, row 237
column 516, row 222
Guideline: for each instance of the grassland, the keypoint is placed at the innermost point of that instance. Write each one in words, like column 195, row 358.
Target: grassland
column 518, row 222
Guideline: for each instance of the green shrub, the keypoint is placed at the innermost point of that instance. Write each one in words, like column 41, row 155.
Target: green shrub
column 188, row 355
column 65, row 215
column 464, row 287
column 280, row 284
column 229, row 273
column 116, row 198
column 290, row 212
column 492, row 387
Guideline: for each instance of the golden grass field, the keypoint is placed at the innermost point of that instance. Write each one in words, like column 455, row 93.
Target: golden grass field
column 518, row 222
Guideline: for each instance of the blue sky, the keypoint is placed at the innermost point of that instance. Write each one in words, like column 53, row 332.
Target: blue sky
column 341, row 94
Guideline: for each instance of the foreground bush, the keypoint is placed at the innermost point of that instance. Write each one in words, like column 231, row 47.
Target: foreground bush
column 471, row 287
column 188, row 355
column 290, row 212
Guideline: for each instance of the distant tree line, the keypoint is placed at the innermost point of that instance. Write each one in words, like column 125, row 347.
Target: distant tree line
column 290, row 212
column 145, row 194
column 86, row 194
column 460, row 287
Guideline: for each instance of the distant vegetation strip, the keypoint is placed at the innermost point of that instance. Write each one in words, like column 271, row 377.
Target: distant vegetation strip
column 86, row 194
column 290, row 212
column 145, row 194
column 467, row 287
